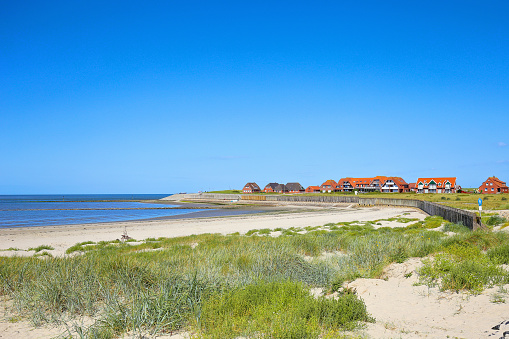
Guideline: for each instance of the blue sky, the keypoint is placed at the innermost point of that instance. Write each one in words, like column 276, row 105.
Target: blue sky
column 163, row 97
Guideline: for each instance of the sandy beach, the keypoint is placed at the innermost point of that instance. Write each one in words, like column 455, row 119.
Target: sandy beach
column 401, row 308
column 63, row 237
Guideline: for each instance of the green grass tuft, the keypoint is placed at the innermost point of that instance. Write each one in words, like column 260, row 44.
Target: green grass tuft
column 40, row 248
column 278, row 310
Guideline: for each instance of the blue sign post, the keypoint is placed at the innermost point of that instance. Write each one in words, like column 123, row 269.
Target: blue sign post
column 480, row 202
column 480, row 207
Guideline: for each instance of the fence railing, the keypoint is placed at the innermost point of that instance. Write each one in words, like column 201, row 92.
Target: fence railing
column 455, row 215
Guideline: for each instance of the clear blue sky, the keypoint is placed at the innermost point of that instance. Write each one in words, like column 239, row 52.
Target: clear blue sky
column 163, row 97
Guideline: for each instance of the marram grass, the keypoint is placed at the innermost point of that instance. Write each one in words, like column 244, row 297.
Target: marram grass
column 237, row 285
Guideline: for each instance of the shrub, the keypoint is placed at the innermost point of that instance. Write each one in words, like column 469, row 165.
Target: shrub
column 495, row 220
column 500, row 254
column 278, row 310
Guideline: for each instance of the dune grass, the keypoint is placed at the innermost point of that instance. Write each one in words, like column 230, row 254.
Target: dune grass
column 278, row 310
column 41, row 248
column 242, row 285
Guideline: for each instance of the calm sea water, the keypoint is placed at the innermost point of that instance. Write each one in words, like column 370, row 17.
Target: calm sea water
column 45, row 210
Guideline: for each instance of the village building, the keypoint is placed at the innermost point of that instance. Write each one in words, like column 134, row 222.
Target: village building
column 394, row 185
column 437, row 185
column 375, row 184
column 271, row 187
column 362, row 184
column 313, row 189
column 329, row 186
column 251, row 187
column 412, row 187
column 295, row 187
column 493, row 185
column 281, row 188
column 346, row 184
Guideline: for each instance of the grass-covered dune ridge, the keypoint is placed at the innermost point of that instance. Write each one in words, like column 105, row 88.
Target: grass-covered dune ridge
column 243, row 285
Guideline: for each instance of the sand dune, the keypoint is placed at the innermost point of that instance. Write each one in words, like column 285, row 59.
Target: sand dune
column 401, row 309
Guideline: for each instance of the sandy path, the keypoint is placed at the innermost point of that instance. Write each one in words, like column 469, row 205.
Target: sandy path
column 63, row 237
column 403, row 310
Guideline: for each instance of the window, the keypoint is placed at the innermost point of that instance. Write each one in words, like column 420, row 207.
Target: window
column 486, row 189
column 492, row 189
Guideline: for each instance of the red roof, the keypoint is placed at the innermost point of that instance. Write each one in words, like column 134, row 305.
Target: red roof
column 330, row 182
column 496, row 181
column 312, row 188
column 355, row 181
column 439, row 181
column 399, row 181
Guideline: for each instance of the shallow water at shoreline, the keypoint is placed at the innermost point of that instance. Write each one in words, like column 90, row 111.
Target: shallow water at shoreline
column 50, row 210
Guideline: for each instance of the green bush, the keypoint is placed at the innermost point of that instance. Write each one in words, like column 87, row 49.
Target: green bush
column 495, row 220
column 278, row 310
column 500, row 254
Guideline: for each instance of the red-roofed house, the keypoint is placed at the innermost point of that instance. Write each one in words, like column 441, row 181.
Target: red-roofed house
column 437, row 185
column 251, row 187
column 376, row 184
column 345, row 185
column 394, row 185
column 412, row 187
column 361, row 184
column 313, row 189
column 493, row 185
column 329, row 186
column 271, row 187
column 351, row 184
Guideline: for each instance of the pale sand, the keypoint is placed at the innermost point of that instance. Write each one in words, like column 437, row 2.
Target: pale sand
column 63, row 237
column 401, row 309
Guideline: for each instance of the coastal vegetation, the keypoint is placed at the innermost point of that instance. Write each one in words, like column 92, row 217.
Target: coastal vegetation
column 227, row 192
column 261, row 284
column 457, row 200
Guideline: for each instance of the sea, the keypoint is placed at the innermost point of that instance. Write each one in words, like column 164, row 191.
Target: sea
column 46, row 210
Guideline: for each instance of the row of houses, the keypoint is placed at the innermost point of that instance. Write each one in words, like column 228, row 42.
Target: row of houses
column 376, row 184
column 381, row 184
column 274, row 187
